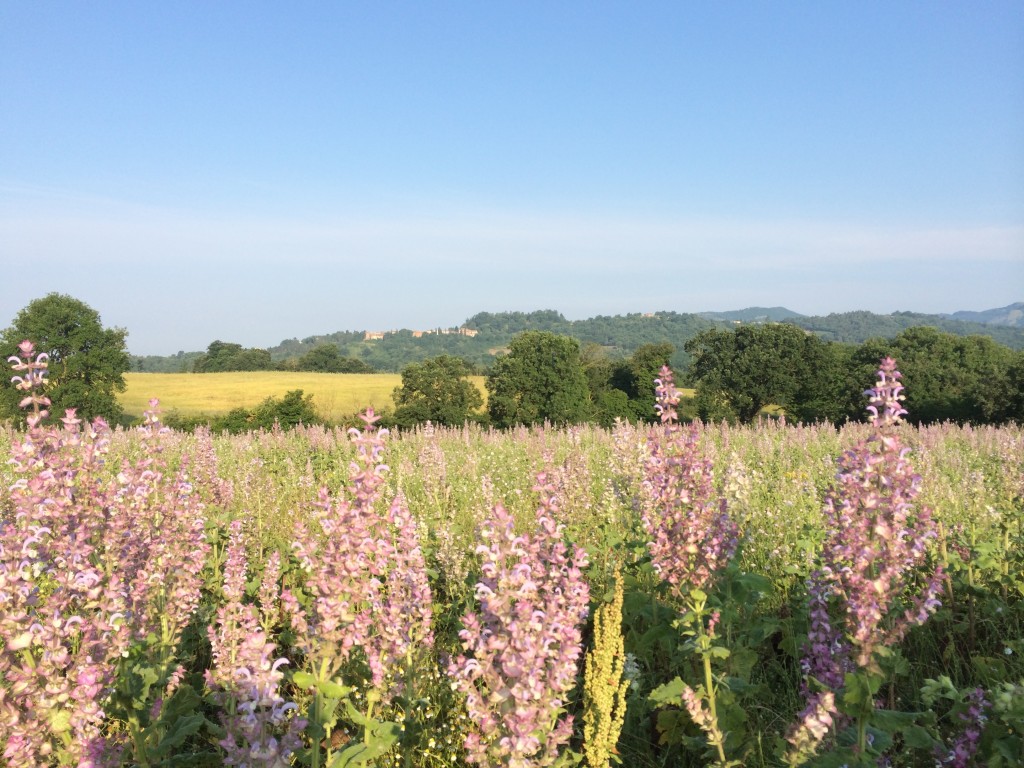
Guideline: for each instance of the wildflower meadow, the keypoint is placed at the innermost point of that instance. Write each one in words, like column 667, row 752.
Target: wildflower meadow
column 666, row 595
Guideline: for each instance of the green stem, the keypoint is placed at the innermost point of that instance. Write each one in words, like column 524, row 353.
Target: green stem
column 970, row 597
column 410, row 696
column 138, row 741
column 369, row 715
column 30, row 660
column 317, row 720
column 314, row 748
column 710, row 688
column 1006, row 561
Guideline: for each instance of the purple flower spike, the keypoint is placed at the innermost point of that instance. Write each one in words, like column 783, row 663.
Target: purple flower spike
column 692, row 535
column 525, row 641
column 245, row 678
column 367, row 576
column 875, row 551
column 877, row 534
column 886, row 396
column 961, row 754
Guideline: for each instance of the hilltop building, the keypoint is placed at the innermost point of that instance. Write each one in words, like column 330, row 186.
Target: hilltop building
column 378, row 335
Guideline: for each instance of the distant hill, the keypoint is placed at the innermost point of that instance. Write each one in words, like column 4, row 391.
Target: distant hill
column 619, row 336
column 1012, row 315
column 486, row 334
column 857, row 327
column 753, row 315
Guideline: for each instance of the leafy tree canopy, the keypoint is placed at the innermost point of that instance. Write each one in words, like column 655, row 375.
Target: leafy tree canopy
column 737, row 373
column 87, row 361
column 948, row 378
column 293, row 409
column 223, row 356
column 326, row 358
column 641, row 369
column 436, row 390
column 540, row 379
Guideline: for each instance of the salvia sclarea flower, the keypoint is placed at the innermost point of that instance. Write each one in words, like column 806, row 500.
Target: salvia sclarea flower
column 523, row 645
column 692, row 534
column 826, row 659
column 60, row 610
column 826, row 654
column 365, row 574
column 973, row 720
column 83, row 557
column 270, row 592
column 158, row 538
column 812, row 728
column 874, row 552
column 877, row 536
column 33, row 368
column 245, row 677
column 404, row 619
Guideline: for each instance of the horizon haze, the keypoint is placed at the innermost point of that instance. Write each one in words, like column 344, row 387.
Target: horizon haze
column 255, row 174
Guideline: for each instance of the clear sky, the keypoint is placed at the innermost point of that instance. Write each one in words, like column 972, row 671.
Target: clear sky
column 258, row 171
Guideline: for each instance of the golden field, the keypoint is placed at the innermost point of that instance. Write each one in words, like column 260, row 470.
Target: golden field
column 335, row 395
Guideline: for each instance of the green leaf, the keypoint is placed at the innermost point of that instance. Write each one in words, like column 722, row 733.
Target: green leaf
column 990, row 668
column 860, row 689
column 891, row 720
column 740, row 685
column 382, row 737
column 304, row 680
column 880, row 741
column 742, row 662
column 754, row 583
column 355, row 715
column 334, row 690
column 918, row 737
column 669, row 693
column 672, row 726
column 180, row 730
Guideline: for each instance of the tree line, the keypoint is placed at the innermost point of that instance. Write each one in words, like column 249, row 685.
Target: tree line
column 221, row 357
column 736, row 374
column 546, row 376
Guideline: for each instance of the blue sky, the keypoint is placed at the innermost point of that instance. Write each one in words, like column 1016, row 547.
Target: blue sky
column 254, row 172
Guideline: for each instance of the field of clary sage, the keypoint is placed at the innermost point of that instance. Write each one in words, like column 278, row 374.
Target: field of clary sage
column 675, row 595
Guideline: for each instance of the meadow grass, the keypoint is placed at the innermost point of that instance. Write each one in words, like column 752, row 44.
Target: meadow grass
column 335, row 395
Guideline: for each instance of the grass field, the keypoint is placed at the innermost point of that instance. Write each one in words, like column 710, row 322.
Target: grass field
column 335, row 395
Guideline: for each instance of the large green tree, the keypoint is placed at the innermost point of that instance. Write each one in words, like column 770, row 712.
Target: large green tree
column 1003, row 397
column 608, row 401
column 224, row 356
column 639, row 373
column 436, row 390
column 948, row 378
column 737, row 373
column 87, row 361
column 325, row 358
column 540, row 379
